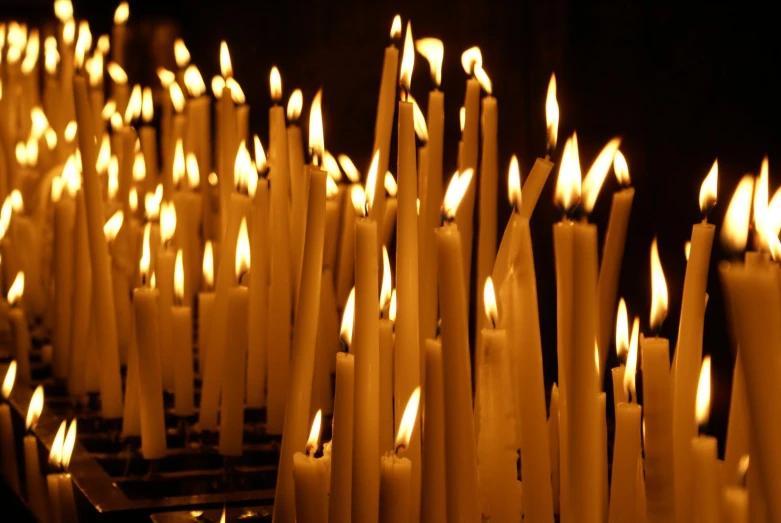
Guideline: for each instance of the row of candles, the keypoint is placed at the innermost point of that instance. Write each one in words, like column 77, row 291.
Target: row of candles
column 286, row 253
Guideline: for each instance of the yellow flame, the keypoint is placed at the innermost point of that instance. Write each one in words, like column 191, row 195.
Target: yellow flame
column 621, row 169
column 407, row 59
column 395, row 31
column 177, row 97
column 371, row 179
column 117, row 74
column 51, row 137
column 63, row 10
column 179, row 276
column 35, row 408
column 418, row 120
column 242, row 166
column 95, row 69
column 32, row 51
column 226, row 68
column 275, row 81
column 103, row 44
column 358, row 197
column 314, row 434
column 482, row 77
column 133, row 109
column 392, row 307
column 139, row 167
column 208, row 264
column 193, row 81
column 70, row 131
column 109, row 109
column 132, row 199
column 514, row 183
column 218, row 85
column 212, row 179
column 734, row 229
column 489, row 302
column 167, row 221
column 408, row 420
column 16, row 291
column 56, row 192
column 331, row 166
column 433, row 51
column 153, row 280
column 470, row 59
column 462, row 117
column 387, row 284
column 104, row 155
column 55, row 456
column 331, row 189
column 622, row 330
column 68, row 445
column 703, row 393
column 112, row 226
column 348, row 319
column 316, row 140
column 709, row 189
column 5, row 216
column 122, row 13
column 8, row 381
column 687, row 247
column 82, row 44
column 456, row 189
column 146, row 255
column 552, row 113
column 596, row 175
column 568, row 184
column 147, row 105
column 631, row 361
column 21, row 154
column 294, row 104
column 152, row 202
column 222, row 518
column 113, row 178
column 39, row 122
column 17, row 203
column 50, row 55
column 261, row 163
column 177, row 170
column 349, row 168
column 761, row 195
column 193, row 172
column 390, row 184
column 237, row 95
column 181, row 54
column 242, row 250
column 659, row 298
column 166, row 77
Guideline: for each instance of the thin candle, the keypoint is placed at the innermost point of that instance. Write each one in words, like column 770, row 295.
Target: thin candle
column 396, row 471
column 8, row 468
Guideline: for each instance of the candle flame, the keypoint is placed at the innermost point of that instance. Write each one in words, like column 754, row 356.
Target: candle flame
column 314, row 434
column 117, row 74
column 489, row 302
column 275, row 82
column 408, row 420
column 237, row 94
column 395, row 31
column 261, row 164
column 392, row 307
column 16, row 291
column 761, row 195
column 177, row 97
column 709, row 189
column 167, row 222
column 153, row 281
column 20, row 151
column 218, row 85
column 103, row 44
column 418, row 120
column 371, row 180
column 35, row 408
column 348, row 319
column 391, row 187
column 152, row 202
column 17, row 203
column 242, row 167
column 387, row 284
column 146, row 255
column 568, row 184
column 139, row 167
column 456, row 189
column 193, row 81
column 349, row 168
column 659, row 298
column 621, row 169
column 132, row 198
column 622, row 330
column 113, row 178
column 514, row 183
column 56, row 193
column 179, row 276
column 407, row 59
column 8, row 381
column 462, row 117
column 316, row 141
column 55, row 456
column 5, row 216
column 181, row 54
column 242, row 251
column 331, row 189
column 212, row 179
column 222, row 518
column 68, row 445
column 208, row 264
column 109, row 109
column 112, row 226
column 631, row 361
column 63, row 10
column 70, row 131
column 50, row 55
column 596, row 175
column 226, row 68
column 774, row 212
column 32, row 51
column 552, row 113
column 734, row 229
column 166, row 77
column 358, row 197
column 83, row 43
column 94, row 68
column 122, row 13
column 71, row 178
column 133, row 109
column 193, row 172
column 332, row 167
column 485, row 81
column 294, row 105
column 50, row 135
column 687, row 247
column 178, row 165
column 433, row 51
column 470, row 59
column 703, row 393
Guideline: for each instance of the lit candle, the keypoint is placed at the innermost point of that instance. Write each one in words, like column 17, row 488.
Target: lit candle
column 688, row 352
column 26, row 240
column 36, row 491
column 199, row 136
column 178, row 134
column 295, row 148
column 120, row 91
column 188, row 205
column 339, row 504
column 433, row 497
column 205, row 305
column 68, row 111
column 391, row 208
column 7, row 441
column 67, row 501
column 64, row 222
column 396, row 471
column 52, row 480
column 120, row 279
column 705, row 484
column 51, row 86
column 82, row 301
column 228, row 133
column 19, row 328
column 166, row 119
column 387, row 353
column 622, row 350
column 311, row 480
column 119, row 33
column 164, row 274
column 182, row 338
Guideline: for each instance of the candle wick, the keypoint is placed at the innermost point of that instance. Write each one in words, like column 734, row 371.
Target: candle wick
column 311, row 450
column 344, row 345
column 401, row 447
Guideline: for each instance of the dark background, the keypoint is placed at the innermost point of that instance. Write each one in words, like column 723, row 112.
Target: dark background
column 681, row 84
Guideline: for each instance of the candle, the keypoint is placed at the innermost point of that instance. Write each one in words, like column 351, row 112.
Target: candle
column 205, row 306
column 553, row 443
column 738, row 425
column 345, row 264
column 82, row 302
column 52, row 480
column 311, row 480
column 612, row 254
column 188, row 205
column 736, row 503
column 258, row 297
column 339, row 503
column 387, row 354
column 7, row 441
column 67, row 109
column 67, row 501
column 642, row 508
column 36, row 491
column 299, row 392
column 199, row 134
column 622, row 349
column 235, row 355
column 120, row 91
column 120, row 279
column 391, row 208
column 178, row 133
column 396, row 471
column 182, row 338
column 705, row 484
column 19, row 328
column 119, row 32
column 64, row 222
column 295, row 148
column 459, row 429
column 689, row 347
column 131, row 418
column 228, row 141
column 164, row 274
column 433, row 498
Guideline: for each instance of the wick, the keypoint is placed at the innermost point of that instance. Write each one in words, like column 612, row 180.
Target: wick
column 241, row 277
column 401, row 447
column 344, row 345
column 493, row 321
column 311, row 450
column 403, row 93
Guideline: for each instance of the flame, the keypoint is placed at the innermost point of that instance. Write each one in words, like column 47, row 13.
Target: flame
column 761, row 194
column 193, row 81
column 132, row 199
column 358, row 197
column 70, row 131
column 687, row 247
column 349, row 168
column 166, row 77
column 35, row 408
column 702, row 407
column 153, row 281
column 5, row 216
column 387, row 284
column 392, row 307
column 178, row 165
column 212, row 179
column 117, row 74
column 146, row 256
column 774, row 212
column 193, row 172
column 462, row 117
column 552, row 113
column 21, row 154
column 181, row 54
column 418, row 120
column 631, row 361
column 147, row 105
column 514, row 183
column 8, row 381
column 56, row 192
column 39, row 122
column 408, row 420
column 103, row 45
column 16, row 291
column 596, row 357
column 32, row 152
column 371, row 180
column 470, row 59
column 622, row 330
column 208, row 264
column 314, row 434
column 109, row 109
column 95, row 69
column 31, row 52
column 621, row 169
column 659, row 297
column 433, row 51
column 222, row 518
column 218, row 85
column 152, row 202
column 568, row 184
column 122, row 13
column 734, row 228
column 104, row 155
column 331, row 166
column 348, row 319
column 275, row 81
column 395, row 31
column 316, row 141
column 177, row 97
column 456, row 189
column 489, row 302
column 226, row 68
column 167, row 222
column 596, row 175
column 55, row 456
column 68, row 444
column 407, row 59
column 331, row 189
column 133, row 110
column 294, row 105
column 391, row 186
column 50, row 55
column 261, row 164
column 113, row 178
column 237, row 95
column 242, row 251
column 63, row 10
column 483, row 79
column 179, row 277
column 51, row 137
column 83, row 43
column 112, row 226
column 709, row 189
column 139, row 167
column 242, row 167
column 17, row 203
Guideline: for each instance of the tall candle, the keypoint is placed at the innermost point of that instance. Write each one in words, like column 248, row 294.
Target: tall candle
column 705, row 485
column 311, row 480
column 433, row 497
column 339, row 503
column 36, row 491
column 119, row 33
column 386, row 380
column 8, row 468
column 258, row 300
column 182, row 338
column 396, row 471
column 131, row 418
column 553, row 443
column 20, row 329
column 738, row 425
column 205, row 305
column 164, row 274
column 82, row 301
column 64, row 221
column 298, row 189
column 226, row 120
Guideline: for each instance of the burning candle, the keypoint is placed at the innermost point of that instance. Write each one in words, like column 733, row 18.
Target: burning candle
column 36, row 491
column 622, row 350
column 164, row 274
column 120, row 279
column 339, row 504
column 396, row 471
column 120, row 91
column 387, row 325
column 705, row 484
column 311, row 480
column 7, row 440
column 182, row 338
column 188, row 205
column 119, row 33
column 295, row 148
column 391, row 208
column 205, row 305
column 433, row 498
column 19, row 329
column 52, row 481
column 64, row 222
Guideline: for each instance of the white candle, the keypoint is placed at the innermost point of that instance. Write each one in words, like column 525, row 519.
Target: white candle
column 339, row 503
column 396, row 471
column 295, row 148
column 19, row 329
column 7, row 440
column 36, row 491
column 735, row 503
column 64, row 222
column 433, row 497
column 311, row 480
column 82, row 301
column 705, row 485
column 739, row 424
column 205, row 306
column 258, row 300
column 182, row 339
column 386, row 378
column 131, row 418
column 164, row 276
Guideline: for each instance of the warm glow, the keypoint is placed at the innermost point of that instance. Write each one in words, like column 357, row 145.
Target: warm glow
column 622, row 330
column 55, row 456
column 358, row 197
column 387, row 284
column 294, row 105
column 68, row 445
column 8, row 381
column 50, row 55
column 122, row 13
column 139, row 167
column 70, row 131
column 314, row 434
column 113, row 178
column 218, row 85
column 470, row 59
column 94, row 68
column 408, row 420
column 418, row 120
column 242, row 168
column 687, row 248
column 709, row 189
column 193, row 173
column 237, row 94
column 35, row 408
column 761, row 195
column 433, row 51
column 631, row 361
column 261, row 164
column 514, row 183
column 57, row 185
column 167, row 222
column 51, row 137
column 63, row 10
column 108, row 109
column 392, row 307
column 568, row 183
column 596, row 175
column 275, row 83
column 5, row 216
column 734, row 228
column 222, row 518
column 178, row 165
column 552, row 113
column 83, row 43
column 621, row 169
column 242, row 251
column 462, row 117
column 17, row 203
column 226, row 68
column 395, row 31
column 152, row 202
column 112, row 226
column 133, row 109
column 483, row 79
column 208, row 264
column 774, row 212
column 331, row 166
column 104, row 155
column 391, row 187
column 103, row 44
column 177, row 97
column 348, row 319
column 407, row 59
column 179, row 277
column 489, row 302
column 331, row 189
column 181, row 54
column 39, row 122
column 456, row 189
column 349, row 168
column 702, row 407
column 193, row 81
column 16, row 291
column 132, row 199
column 20, row 151
column 117, row 74
column 212, row 179
column 146, row 256
column 659, row 298
column 316, row 142
column 166, row 77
